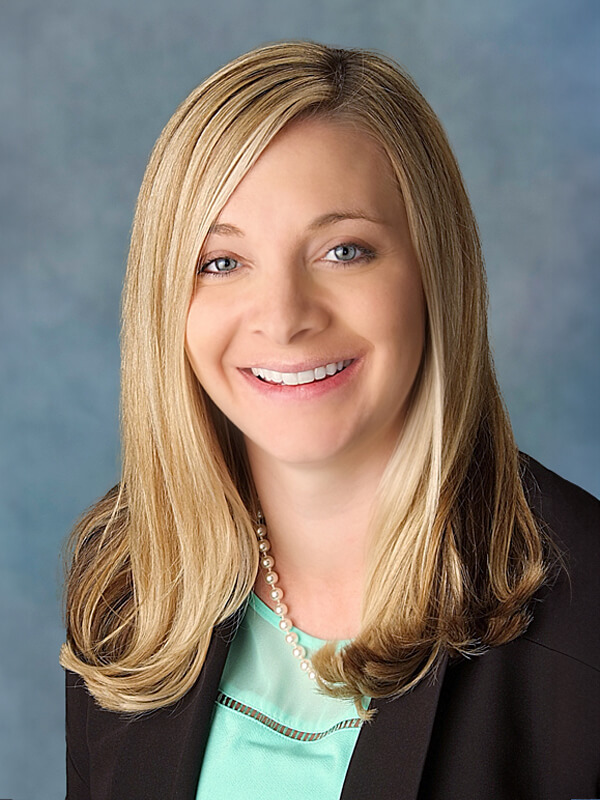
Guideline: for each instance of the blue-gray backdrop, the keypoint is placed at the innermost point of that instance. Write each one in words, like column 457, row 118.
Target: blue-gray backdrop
column 85, row 89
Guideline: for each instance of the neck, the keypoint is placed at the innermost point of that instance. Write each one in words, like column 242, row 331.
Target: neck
column 317, row 521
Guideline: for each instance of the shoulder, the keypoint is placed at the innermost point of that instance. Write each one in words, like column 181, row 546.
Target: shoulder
column 559, row 502
column 566, row 611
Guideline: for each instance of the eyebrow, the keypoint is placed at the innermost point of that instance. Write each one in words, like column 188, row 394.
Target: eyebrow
column 340, row 216
column 225, row 229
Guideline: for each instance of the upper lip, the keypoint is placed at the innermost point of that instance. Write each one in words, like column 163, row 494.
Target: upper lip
column 298, row 366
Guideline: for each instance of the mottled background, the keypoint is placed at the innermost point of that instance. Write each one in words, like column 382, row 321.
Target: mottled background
column 86, row 88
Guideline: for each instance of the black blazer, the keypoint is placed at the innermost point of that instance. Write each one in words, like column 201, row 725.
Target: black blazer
column 521, row 722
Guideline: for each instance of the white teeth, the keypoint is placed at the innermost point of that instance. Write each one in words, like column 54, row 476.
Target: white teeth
column 306, row 376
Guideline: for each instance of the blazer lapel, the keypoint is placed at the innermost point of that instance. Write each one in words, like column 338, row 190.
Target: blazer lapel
column 390, row 752
column 160, row 753
column 202, row 701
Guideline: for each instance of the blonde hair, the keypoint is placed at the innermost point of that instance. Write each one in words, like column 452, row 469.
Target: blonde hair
column 170, row 553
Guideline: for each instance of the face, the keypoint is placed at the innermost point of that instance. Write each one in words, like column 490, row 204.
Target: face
column 306, row 327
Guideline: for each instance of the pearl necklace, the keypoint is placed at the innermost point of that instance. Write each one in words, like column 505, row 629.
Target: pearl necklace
column 267, row 562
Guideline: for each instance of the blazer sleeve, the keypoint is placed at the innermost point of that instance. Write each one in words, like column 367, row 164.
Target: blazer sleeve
column 78, row 768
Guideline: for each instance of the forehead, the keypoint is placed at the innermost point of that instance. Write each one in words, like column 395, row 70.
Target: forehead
column 313, row 167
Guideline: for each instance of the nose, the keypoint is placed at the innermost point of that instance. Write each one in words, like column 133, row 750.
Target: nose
column 291, row 306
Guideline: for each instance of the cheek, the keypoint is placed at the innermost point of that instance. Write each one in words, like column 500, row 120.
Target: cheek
column 210, row 332
column 411, row 325
column 406, row 337
column 398, row 316
column 197, row 341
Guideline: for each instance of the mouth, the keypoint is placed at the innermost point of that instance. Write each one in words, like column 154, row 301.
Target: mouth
column 306, row 376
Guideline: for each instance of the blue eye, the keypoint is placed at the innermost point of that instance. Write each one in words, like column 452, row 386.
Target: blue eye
column 217, row 266
column 345, row 252
column 349, row 253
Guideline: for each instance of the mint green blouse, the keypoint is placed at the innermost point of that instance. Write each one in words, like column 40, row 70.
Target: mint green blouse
column 272, row 733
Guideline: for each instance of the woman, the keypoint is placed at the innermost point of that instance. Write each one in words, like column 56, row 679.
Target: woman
column 314, row 437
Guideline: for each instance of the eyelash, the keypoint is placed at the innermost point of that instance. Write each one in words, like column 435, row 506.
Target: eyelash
column 365, row 255
column 201, row 268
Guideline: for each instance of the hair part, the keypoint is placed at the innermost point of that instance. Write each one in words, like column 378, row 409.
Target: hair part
column 456, row 553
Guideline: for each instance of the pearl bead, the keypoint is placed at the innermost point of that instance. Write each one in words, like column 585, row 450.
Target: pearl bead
column 267, row 562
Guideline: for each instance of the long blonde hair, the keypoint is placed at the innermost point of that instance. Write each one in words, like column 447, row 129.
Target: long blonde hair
column 170, row 553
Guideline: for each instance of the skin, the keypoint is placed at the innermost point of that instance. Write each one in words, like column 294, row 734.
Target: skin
column 273, row 291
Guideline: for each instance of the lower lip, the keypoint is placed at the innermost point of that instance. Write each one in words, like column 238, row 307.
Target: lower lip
column 303, row 391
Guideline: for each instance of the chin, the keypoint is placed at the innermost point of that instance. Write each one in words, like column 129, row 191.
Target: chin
column 309, row 449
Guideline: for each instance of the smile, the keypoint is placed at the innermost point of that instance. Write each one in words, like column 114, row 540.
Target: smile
column 297, row 378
